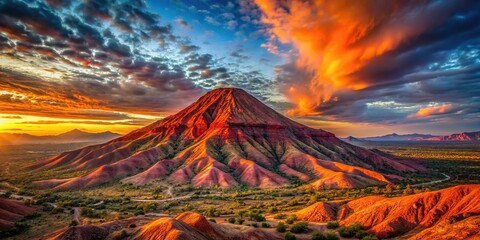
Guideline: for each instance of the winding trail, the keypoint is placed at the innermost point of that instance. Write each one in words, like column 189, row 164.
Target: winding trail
column 163, row 200
column 433, row 182
column 76, row 215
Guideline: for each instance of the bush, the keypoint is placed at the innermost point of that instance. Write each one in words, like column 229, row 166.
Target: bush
column 272, row 209
column 370, row 237
column 240, row 221
column 290, row 236
column 212, row 220
column 331, row 236
column 318, row 236
column 231, row 220
column 301, row 227
column 138, row 212
column 280, row 216
column 266, row 225
column 255, row 225
column 291, row 219
column 361, row 234
column 349, row 231
column 211, row 212
column 332, row 224
column 257, row 217
column 281, row 227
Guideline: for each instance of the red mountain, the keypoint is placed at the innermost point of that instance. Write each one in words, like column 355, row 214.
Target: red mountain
column 465, row 136
column 227, row 138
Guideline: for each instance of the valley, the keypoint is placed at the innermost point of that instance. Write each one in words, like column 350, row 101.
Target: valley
column 121, row 201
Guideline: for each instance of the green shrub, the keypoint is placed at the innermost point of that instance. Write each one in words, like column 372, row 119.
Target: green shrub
column 211, row 212
column 361, row 234
column 318, row 236
column 291, row 219
column 255, row 225
column 332, row 236
column 349, row 231
column 266, row 225
column 280, row 216
column 332, row 224
column 240, row 221
column 231, row 220
column 272, row 209
column 212, row 220
column 290, row 236
column 257, row 217
column 370, row 237
column 301, row 227
column 281, row 227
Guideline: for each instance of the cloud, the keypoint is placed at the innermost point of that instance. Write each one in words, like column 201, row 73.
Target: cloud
column 212, row 21
column 336, row 40
column 433, row 110
column 347, row 55
column 11, row 117
column 183, row 23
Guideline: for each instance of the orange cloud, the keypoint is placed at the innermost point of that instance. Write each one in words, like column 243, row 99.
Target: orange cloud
column 336, row 39
column 433, row 110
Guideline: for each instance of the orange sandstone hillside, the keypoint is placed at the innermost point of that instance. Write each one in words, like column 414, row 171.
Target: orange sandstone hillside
column 452, row 213
column 193, row 226
column 227, row 138
column 185, row 226
column 12, row 211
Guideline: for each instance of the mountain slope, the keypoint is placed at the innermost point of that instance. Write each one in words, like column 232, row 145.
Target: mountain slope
column 227, row 138
column 68, row 137
column 425, row 214
column 12, row 211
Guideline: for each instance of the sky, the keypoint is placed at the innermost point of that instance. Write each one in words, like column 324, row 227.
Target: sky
column 359, row 68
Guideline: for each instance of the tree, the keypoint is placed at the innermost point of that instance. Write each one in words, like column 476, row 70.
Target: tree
column 318, row 236
column 408, row 190
column 388, row 188
column 331, row 236
column 281, row 227
column 291, row 219
column 332, row 224
column 290, row 236
column 301, row 227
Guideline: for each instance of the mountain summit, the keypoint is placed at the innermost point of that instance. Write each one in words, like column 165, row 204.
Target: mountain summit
column 228, row 138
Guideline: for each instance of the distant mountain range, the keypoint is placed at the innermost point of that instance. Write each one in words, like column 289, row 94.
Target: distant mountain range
column 73, row 136
column 465, row 136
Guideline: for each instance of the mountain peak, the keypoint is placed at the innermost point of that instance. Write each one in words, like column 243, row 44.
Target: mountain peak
column 226, row 107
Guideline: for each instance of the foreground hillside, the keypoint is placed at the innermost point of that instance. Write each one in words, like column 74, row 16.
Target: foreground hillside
column 184, row 226
column 451, row 213
column 12, row 211
column 226, row 139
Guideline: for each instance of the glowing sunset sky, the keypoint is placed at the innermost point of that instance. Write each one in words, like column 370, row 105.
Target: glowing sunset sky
column 357, row 68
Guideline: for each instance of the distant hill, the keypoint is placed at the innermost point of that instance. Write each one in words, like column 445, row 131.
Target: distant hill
column 465, row 136
column 68, row 137
column 353, row 140
column 397, row 137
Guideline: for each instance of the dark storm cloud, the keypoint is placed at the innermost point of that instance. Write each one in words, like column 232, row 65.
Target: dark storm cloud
column 117, row 75
column 440, row 67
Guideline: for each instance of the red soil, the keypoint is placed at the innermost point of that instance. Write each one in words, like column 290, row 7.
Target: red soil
column 427, row 214
column 12, row 211
column 225, row 139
